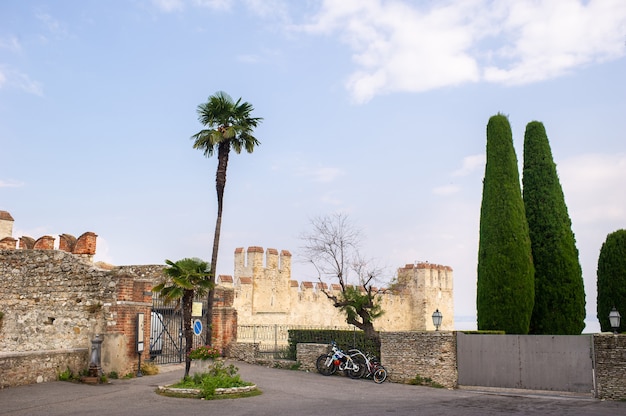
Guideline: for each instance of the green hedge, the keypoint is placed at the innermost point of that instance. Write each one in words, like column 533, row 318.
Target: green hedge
column 344, row 339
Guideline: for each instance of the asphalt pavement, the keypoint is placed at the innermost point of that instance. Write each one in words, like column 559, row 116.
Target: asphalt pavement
column 288, row 392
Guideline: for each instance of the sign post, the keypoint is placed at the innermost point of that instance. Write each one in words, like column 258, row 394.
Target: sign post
column 197, row 327
column 139, row 338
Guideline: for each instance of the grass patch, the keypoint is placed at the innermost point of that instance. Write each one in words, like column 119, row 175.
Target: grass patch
column 66, row 375
column 149, row 369
column 425, row 381
column 218, row 376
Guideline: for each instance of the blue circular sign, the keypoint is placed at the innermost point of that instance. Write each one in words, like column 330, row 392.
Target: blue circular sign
column 197, row 327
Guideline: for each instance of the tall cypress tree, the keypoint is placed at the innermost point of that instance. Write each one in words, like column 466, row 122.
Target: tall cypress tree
column 559, row 288
column 506, row 289
column 612, row 279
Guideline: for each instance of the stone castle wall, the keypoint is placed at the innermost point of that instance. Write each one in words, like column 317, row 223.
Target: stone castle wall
column 54, row 303
column 265, row 294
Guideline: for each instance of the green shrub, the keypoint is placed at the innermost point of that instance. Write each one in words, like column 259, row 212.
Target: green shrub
column 559, row 289
column 505, row 290
column 66, row 375
column 612, row 279
column 344, row 339
column 218, row 376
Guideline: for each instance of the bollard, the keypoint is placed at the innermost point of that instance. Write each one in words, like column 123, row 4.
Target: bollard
column 95, row 369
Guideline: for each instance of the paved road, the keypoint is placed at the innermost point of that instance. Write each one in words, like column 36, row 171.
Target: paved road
column 288, row 393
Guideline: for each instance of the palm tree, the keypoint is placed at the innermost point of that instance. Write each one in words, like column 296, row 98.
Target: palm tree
column 184, row 280
column 228, row 124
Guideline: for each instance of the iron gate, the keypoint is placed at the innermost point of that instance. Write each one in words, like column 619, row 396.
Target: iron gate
column 167, row 340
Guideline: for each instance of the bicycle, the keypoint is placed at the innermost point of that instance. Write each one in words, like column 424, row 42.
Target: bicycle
column 328, row 364
column 370, row 364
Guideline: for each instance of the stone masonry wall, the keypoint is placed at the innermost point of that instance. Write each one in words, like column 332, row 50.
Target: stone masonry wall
column 610, row 352
column 427, row 354
column 18, row 369
column 54, row 303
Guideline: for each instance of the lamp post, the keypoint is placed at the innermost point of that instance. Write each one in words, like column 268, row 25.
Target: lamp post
column 615, row 319
column 437, row 317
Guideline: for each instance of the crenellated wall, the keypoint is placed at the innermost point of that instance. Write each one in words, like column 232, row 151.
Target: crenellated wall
column 54, row 302
column 266, row 294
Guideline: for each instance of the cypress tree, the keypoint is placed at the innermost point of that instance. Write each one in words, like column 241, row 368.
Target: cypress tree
column 505, row 291
column 559, row 287
column 612, row 279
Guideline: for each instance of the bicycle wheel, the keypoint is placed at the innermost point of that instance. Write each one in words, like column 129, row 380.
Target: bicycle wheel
column 358, row 368
column 324, row 365
column 380, row 375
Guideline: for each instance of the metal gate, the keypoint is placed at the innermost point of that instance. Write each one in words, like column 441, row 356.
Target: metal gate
column 167, row 340
column 535, row 362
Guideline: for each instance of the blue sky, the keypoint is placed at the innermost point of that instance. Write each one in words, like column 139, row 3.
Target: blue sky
column 374, row 108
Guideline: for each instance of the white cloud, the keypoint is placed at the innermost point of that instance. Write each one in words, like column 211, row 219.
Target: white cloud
column 10, row 184
column 399, row 46
column 324, row 174
column 594, row 187
column 555, row 36
column 269, row 9
column 11, row 43
column 12, row 78
column 214, row 4
column 169, row 5
column 446, row 190
column 54, row 26
column 470, row 164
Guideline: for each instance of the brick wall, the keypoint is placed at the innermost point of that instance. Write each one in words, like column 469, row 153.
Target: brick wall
column 427, row 354
column 610, row 352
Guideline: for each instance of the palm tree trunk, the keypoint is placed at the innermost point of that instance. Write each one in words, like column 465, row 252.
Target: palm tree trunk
column 187, row 305
column 220, row 184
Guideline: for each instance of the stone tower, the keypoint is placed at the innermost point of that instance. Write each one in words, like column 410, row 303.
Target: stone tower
column 6, row 225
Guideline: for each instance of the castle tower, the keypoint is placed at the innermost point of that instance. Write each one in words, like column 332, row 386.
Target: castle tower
column 6, row 225
column 428, row 287
column 270, row 281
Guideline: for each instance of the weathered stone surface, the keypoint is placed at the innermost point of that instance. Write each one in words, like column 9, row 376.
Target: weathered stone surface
column 610, row 359
column 427, row 354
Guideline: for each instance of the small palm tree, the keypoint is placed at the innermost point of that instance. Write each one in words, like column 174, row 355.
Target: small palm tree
column 229, row 125
column 184, row 280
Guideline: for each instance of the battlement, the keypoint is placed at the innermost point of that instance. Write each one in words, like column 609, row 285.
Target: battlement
column 265, row 293
column 83, row 245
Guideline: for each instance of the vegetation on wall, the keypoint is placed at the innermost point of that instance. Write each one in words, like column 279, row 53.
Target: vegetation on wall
column 332, row 246
column 559, row 288
column 505, row 289
column 612, row 279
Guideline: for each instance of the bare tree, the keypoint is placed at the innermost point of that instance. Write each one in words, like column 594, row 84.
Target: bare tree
column 332, row 246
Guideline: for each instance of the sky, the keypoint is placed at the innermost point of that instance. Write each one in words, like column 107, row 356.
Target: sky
column 373, row 108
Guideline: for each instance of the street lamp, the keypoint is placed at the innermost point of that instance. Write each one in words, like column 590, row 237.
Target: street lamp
column 437, row 317
column 615, row 319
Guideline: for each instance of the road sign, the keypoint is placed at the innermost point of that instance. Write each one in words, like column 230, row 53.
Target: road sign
column 197, row 327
